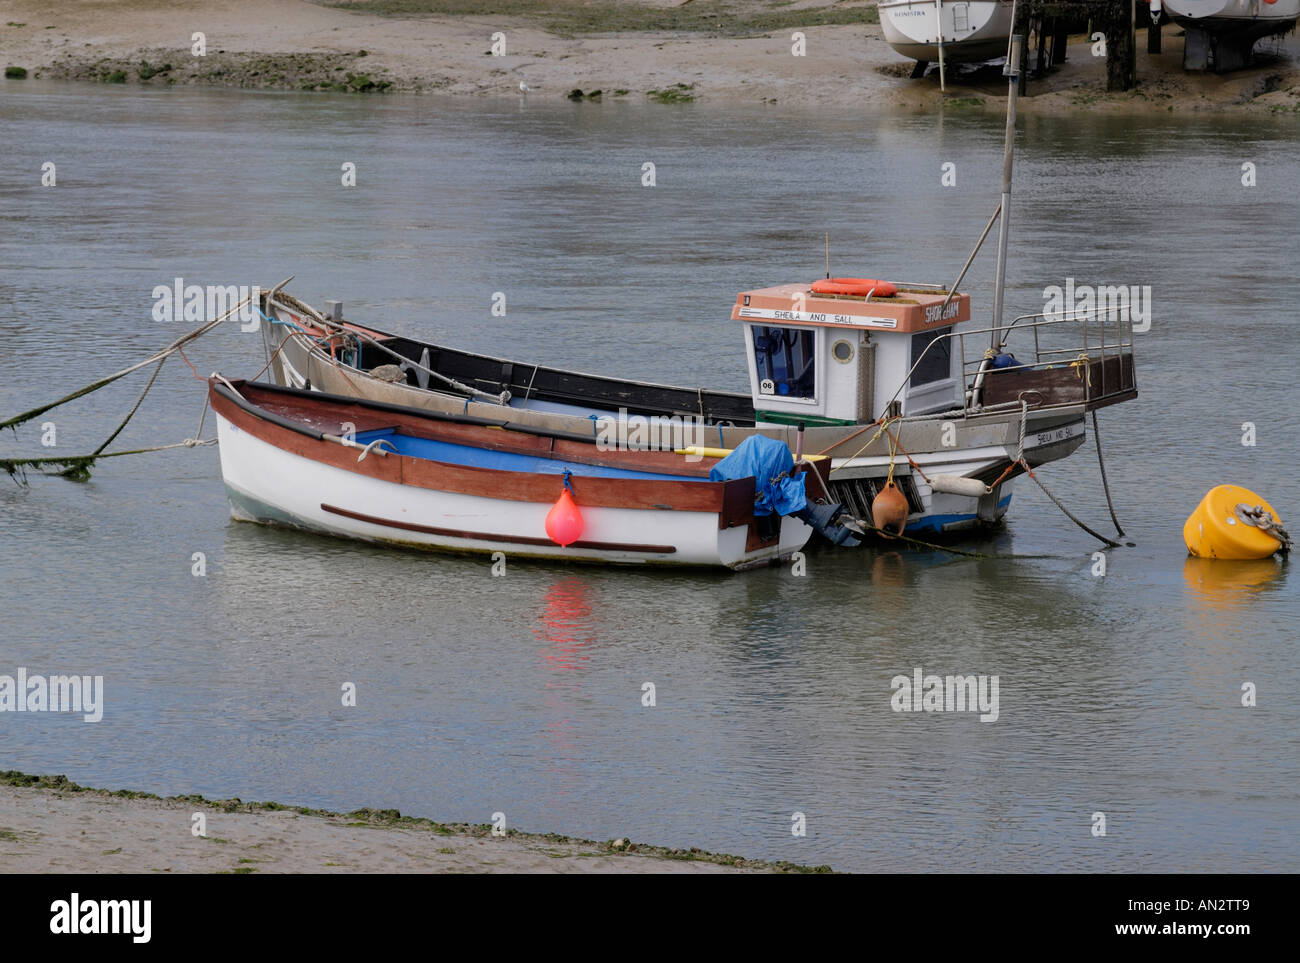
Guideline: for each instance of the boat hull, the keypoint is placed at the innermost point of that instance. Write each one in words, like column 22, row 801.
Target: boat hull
column 971, row 31
column 1221, row 34
column 1233, row 15
column 273, row 478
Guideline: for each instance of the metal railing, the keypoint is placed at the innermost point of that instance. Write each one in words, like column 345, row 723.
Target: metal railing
column 1060, row 339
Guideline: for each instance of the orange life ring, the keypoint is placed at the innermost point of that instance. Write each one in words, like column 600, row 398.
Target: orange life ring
column 858, row 286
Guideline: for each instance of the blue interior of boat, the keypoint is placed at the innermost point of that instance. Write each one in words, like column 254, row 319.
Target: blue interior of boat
column 454, row 454
column 560, row 408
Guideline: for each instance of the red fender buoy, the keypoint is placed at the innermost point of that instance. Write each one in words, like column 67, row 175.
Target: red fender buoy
column 855, row 286
column 564, row 521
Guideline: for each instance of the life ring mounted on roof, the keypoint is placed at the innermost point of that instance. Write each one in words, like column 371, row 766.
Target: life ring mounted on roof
column 860, row 287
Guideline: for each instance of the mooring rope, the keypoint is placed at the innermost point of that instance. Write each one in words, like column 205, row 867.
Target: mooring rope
column 898, row 443
column 96, row 385
column 1020, row 450
column 130, row 414
column 1096, row 437
column 885, row 533
column 78, row 466
column 884, row 426
column 1018, row 462
column 1097, row 535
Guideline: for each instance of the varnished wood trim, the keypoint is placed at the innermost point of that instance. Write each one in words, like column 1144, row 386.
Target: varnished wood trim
column 297, row 436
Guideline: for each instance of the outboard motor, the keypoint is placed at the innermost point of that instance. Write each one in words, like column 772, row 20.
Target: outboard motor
column 822, row 518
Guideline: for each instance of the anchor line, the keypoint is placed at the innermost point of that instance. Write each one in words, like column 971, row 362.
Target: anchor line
column 1101, row 463
column 1056, row 501
column 866, row 526
column 1267, row 523
column 96, row 385
column 130, row 414
column 77, row 465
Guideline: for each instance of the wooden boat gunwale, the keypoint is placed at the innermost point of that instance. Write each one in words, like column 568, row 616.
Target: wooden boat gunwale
column 732, row 500
column 588, row 391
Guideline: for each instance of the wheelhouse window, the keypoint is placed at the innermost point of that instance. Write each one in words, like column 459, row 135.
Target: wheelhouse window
column 935, row 364
column 785, row 361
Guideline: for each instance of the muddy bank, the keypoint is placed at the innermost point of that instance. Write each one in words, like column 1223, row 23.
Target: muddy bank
column 636, row 49
column 51, row 825
column 343, row 72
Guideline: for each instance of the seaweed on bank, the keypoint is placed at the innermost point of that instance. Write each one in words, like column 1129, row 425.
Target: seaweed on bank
column 391, row 818
column 567, row 17
column 676, row 94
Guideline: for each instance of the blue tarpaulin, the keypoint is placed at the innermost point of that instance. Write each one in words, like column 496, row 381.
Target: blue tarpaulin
column 765, row 460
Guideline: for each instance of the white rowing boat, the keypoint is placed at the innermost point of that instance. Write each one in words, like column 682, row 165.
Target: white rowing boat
column 394, row 475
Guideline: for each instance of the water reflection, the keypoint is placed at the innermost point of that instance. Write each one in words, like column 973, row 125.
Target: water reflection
column 1220, row 586
column 566, row 628
column 567, row 631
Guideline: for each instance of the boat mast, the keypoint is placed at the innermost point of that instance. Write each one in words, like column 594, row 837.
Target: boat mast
column 1012, row 72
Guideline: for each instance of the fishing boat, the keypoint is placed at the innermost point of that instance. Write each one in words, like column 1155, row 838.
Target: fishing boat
column 401, row 476
column 1220, row 34
column 938, row 31
column 892, row 381
column 894, row 386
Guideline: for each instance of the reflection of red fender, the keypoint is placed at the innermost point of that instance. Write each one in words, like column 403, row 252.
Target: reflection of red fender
column 858, row 286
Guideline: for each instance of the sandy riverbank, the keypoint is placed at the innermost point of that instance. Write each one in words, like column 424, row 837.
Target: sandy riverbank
column 302, row 45
column 49, row 825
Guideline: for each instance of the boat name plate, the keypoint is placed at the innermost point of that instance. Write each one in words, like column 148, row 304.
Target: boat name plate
column 817, row 317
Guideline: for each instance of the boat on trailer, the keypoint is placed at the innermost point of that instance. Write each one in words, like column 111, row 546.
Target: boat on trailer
column 390, row 474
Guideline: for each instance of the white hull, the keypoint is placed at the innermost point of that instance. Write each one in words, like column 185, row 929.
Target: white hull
column 943, row 512
column 1232, row 14
column 270, row 485
column 1221, row 34
column 970, row 30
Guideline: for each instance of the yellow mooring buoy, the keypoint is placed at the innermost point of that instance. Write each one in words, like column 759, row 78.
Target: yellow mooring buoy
column 1234, row 522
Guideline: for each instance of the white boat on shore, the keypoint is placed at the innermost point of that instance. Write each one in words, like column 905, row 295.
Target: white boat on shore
column 1220, row 34
column 969, row 31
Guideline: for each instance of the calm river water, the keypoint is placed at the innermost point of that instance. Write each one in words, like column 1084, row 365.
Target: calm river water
column 1120, row 694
